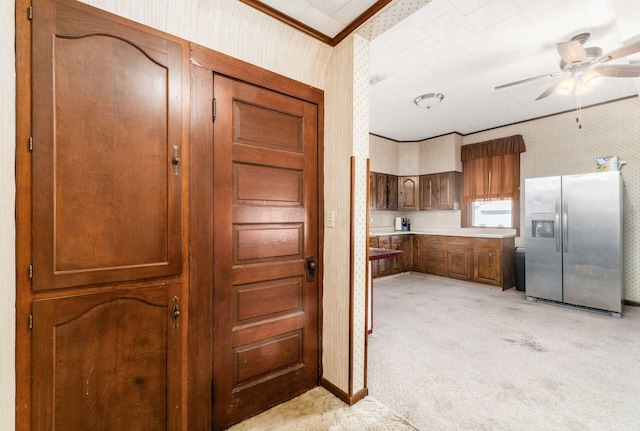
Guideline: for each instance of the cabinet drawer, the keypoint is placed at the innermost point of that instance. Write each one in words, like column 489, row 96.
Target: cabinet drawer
column 487, row 242
column 459, row 240
column 373, row 241
column 396, row 242
column 384, row 242
column 434, row 239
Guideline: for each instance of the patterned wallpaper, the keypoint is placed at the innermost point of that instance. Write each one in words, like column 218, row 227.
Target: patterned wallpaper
column 395, row 12
column 555, row 146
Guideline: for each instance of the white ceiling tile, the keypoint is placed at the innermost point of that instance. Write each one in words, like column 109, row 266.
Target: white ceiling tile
column 465, row 48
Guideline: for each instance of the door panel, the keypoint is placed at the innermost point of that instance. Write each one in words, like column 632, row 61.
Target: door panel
column 265, row 224
column 107, row 361
column 106, row 202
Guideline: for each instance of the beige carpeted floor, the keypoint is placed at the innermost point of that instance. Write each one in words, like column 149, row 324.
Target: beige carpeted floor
column 319, row 410
column 451, row 355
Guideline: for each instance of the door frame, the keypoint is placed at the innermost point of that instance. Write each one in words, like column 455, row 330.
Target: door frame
column 205, row 62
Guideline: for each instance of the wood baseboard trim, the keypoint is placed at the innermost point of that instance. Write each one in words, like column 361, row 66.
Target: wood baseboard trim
column 632, row 303
column 344, row 397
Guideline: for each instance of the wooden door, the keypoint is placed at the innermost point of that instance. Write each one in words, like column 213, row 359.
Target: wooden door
column 459, row 261
column 486, row 263
column 106, row 196
column 382, row 195
column 449, row 190
column 408, row 198
column 429, row 192
column 392, row 192
column 108, row 361
column 265, row 246
column 416, row 253
column 373, row 194
column 105, row 225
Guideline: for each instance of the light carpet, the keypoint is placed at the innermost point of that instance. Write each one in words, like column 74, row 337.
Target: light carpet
column 319, row 410
column 450, row 355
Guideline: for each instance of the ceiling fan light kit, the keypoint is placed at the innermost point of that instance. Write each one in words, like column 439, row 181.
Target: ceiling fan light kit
column 586, row 66
column 429, row 100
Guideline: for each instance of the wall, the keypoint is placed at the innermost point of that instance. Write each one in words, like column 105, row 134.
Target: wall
column 7, row 215
column 555, row 146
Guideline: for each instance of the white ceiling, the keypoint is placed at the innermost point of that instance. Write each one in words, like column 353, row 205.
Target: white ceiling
column 327, row 16
column 465, row 48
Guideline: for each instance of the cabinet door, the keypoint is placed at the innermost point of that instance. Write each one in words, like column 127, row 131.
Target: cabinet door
column 487, row 266
column 392, row 192
column 416, row 255
column 381, row 192
column 373, row 195
column 407, row 247
column 396, row 262
column 384, row 265
column 106, row 196
column 459, row 262
column 449, row 191
column 408, row 198
column 434, row 255
column 108, row 361
column 429, row 192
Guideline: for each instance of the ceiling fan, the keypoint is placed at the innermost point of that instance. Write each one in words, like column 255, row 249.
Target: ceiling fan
column 584, row 66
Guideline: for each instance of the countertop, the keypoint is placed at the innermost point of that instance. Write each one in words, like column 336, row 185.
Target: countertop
column 381, row 253
column 472, row 232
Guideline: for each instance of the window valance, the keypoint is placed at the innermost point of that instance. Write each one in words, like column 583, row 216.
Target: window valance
column 495, row 147
column 491, row 169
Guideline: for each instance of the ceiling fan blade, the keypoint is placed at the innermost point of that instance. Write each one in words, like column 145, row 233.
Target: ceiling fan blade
column 566, row 83
column 522, row 81
column 623, row 51
column 572, row 52
column 618, row 70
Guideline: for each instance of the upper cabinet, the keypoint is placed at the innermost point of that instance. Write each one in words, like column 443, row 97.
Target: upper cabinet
column 440, row 191
column 408, row 196
column 107, row 134
column 383, row 191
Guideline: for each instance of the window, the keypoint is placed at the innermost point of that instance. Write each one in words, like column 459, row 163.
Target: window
column 491, row 183
column 491, row 213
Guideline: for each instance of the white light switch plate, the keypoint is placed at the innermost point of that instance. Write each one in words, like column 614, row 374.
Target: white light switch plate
column 331, row 220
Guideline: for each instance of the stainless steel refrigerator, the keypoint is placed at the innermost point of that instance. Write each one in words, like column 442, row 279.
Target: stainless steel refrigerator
column 574, row 240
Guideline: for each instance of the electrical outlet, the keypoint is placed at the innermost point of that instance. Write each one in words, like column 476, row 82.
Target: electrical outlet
column 331, row 219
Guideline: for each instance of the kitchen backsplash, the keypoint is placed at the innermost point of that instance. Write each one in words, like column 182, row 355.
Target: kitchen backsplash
column 383, row 221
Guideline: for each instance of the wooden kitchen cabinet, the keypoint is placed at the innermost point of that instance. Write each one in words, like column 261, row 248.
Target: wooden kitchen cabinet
column 412, row 247
column 440, row 191
column 460, row 258
column 392, row 192
column 408, row 196
column 384, row 265
column 397, row 262
column 373, row 242
column 383, row 192
column 434, row 254
column 481, row 260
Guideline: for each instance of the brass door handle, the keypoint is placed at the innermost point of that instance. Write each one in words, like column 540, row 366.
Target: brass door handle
column 175, row 161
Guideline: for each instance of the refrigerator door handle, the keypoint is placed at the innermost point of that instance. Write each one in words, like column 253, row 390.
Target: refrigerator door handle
column 557, row 225
column 565, row 226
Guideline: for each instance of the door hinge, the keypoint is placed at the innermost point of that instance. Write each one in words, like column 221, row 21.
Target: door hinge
column 31, row 270
column 30, row 12
column 30, row 143
column 30, row 321
column 213, row 110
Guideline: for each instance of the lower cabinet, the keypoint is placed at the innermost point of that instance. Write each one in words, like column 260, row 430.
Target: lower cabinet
column 434, row 254
column 108, row 360
column 481, row 260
